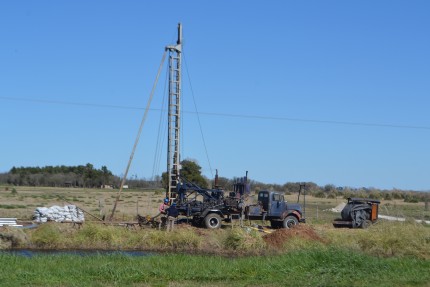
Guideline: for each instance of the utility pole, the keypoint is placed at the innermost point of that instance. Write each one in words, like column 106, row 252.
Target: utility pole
column 174, row 116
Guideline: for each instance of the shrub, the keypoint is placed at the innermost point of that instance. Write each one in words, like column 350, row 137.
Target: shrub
column 46, row 235
column 158, row 192
column 388, row 196
column 243, row 240
column 399, row 239
column 179, row 239
column 98, row 236
column 375, row 195
column 332, row 195
column 319, row 194
column 384, row 239
column 411, row 199
column 11, row 237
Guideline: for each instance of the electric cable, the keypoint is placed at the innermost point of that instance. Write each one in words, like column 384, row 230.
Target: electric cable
column 138, row 137
column 198, row 117
column 161, row 126
column 217, row 114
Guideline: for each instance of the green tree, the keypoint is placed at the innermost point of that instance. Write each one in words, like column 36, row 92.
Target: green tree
column 191, row 171
column 329, row 188
column 106, row 174
column 291, row 187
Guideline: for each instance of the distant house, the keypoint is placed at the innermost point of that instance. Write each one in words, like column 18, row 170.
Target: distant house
column 107, row 186
column 125, row 186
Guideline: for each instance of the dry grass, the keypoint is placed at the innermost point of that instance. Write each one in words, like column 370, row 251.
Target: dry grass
column 109, row 237
column 145, row 202
column 384, row 239
column 98, row 202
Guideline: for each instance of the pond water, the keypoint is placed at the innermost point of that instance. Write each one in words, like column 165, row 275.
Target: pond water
column 35, row 252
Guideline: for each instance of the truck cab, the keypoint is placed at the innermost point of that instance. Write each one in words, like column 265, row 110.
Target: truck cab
column 272, row 202
column 272, row 206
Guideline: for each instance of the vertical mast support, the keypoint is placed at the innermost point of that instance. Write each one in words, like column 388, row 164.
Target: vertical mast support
column 174, row 114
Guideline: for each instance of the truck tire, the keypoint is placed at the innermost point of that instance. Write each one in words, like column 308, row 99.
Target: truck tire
column 290, row 221
column 213, row 221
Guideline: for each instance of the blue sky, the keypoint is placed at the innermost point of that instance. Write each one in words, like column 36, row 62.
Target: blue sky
column 334, row 92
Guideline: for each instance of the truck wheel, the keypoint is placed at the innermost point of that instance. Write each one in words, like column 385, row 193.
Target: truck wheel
column 213, row 221
column 290, row 221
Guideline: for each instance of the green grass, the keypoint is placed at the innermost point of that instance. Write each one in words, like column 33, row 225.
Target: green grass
column 12, row 206
column 386, row 254
column 384, row 239
column 330, row 267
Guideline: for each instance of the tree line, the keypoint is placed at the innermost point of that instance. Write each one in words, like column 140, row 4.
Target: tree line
column 84, row 176
column 59, row 176
column 89, row 177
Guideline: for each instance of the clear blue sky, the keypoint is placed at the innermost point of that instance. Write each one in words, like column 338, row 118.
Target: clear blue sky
column 334, row 92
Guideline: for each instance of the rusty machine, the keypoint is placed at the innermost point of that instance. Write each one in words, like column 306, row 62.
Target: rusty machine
column 358, row 213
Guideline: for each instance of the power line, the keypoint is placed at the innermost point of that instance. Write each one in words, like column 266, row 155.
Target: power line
column 66, row 103
column 316, row 121
column 41, row 101
column 198, row 117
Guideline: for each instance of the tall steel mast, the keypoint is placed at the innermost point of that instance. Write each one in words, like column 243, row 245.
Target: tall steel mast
column 174, row 115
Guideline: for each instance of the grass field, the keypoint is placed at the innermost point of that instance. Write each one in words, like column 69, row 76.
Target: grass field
column 145, row 202
column 319, row 267
column 98, row 202
column 313, row 254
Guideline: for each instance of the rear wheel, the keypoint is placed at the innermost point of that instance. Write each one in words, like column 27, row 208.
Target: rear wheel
column 290, row 221
column 213, row 221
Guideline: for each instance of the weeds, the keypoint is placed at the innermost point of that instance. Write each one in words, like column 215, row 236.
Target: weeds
column 243, row 240
column 12, row 206
column 47, row 236
column 396, row 239
column 384, row 239
column 11, row 237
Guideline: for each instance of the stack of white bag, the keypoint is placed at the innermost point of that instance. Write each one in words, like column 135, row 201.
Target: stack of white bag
column 68, row 213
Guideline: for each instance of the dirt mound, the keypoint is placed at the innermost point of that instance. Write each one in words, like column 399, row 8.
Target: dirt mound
column 280, row 236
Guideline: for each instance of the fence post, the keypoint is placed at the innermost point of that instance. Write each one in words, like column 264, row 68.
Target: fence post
column 317, row 212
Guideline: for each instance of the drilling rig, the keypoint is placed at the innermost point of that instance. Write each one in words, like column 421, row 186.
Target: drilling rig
column 209, row 207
